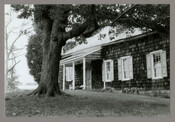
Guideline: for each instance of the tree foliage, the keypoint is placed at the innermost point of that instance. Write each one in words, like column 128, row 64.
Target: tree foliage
column 12, row 81
column 34, row 56
column 141, row 13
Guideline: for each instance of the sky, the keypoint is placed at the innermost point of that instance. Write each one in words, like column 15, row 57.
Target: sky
column 22, row 70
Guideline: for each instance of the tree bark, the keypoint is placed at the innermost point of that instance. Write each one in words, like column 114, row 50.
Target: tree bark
column 52, row 45
column 49, row 77
column 48, row 84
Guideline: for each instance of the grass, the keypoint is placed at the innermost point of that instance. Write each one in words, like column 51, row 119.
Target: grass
column 86, row 104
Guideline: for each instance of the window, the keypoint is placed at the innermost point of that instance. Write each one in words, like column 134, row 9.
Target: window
column 125, row 69
column 108, row 70
column 156, row 64
column 69, row 74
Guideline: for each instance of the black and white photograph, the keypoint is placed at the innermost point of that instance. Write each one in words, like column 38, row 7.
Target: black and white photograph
column 87, row 60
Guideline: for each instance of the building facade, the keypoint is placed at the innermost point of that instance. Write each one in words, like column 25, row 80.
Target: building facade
column 141, row 61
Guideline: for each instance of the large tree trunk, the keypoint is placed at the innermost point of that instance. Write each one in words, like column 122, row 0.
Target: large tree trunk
column 52, row 45
column 50, row 69
column 55, row 38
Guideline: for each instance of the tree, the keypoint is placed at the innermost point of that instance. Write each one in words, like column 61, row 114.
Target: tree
column 12, row 80
column 12, row 53
column 69, row 45
column 62, row 22
column 34, row 56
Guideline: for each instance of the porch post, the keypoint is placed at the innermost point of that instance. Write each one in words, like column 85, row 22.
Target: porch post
column 104, row 85
column 84, row 73
column 63, row 76
column 73, row 74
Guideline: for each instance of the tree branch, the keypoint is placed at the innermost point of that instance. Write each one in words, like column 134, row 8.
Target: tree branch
column 84, row 28
column 14, row 42
column 123, row 14
column 15, row 57
column 18, row 49
column 9, row 20
column 87, row 31
column 76, row 31
column 13, row 66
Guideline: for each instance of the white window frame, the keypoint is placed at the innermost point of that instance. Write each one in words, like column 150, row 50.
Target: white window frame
column 122, row 58
column 105, row 71
column 152, row 64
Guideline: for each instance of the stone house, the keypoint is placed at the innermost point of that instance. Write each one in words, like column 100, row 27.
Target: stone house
column 140, row 61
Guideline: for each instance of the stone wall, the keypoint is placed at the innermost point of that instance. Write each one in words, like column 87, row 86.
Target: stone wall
column 60, row 77
column 138, row 49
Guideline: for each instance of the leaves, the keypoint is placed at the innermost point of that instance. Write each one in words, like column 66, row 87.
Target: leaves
column 25, row 10
column 34, row 56
column 146, row 16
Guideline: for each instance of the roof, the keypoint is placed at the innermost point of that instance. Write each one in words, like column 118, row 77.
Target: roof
column 89, row 54
column 129, row 38
column 94, row 41
column 92, row 50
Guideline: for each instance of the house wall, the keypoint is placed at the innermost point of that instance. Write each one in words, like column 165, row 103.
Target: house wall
column 78, row 77
column 60, row 77
column 138, row 49
column 96, row 75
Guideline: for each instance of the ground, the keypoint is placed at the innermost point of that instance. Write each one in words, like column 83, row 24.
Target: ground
column 87, row 104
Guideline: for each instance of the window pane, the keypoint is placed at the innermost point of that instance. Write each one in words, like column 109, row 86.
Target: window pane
column 125, row 64
column 125, row 68
column 124, row 73
column 108, row 70
column 157, row 65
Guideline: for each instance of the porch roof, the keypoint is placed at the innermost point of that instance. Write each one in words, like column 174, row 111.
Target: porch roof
column 92, row 53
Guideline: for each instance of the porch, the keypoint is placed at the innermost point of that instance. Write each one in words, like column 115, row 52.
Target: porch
column 81, row 62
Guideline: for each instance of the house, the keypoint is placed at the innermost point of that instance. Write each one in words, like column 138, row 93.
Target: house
column 140, row 60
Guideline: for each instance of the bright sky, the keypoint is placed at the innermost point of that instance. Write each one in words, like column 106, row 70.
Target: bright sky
column 22, row 70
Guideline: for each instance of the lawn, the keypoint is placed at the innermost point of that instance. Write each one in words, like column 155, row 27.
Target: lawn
column 86, row 104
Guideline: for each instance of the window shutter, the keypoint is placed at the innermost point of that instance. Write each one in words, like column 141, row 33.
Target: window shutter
column 148, row 63
column 112, row 70
column 103, row 72
column 164, row 64
column 130, row 68
column 119, row 69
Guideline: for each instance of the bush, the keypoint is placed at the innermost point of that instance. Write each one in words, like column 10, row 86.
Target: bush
column 12, row 82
